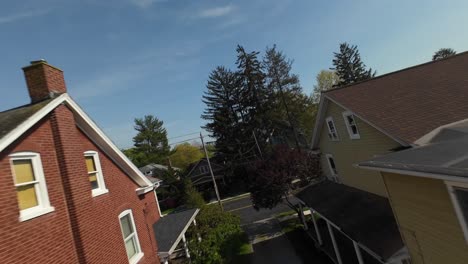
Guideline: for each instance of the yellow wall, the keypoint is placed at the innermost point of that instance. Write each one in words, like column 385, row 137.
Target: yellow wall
column 347, row 152
column 427, row 219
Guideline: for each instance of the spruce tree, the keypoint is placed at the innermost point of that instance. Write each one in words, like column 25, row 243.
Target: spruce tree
column 151, row 142
column 222, row 110
column 349, row 66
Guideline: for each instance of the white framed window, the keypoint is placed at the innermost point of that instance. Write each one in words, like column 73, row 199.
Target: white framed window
column 332, row 167
column 96, row 178
column 204, row 169
column 351, row 126
column 130, row 236
column 332, row 133
column 31, row 188
column 459, row 195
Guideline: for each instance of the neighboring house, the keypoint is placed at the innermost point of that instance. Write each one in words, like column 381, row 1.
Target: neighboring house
column 358, row 122
column 68, row 194
column 199, row 172
column 428, row 190
column 156, row 170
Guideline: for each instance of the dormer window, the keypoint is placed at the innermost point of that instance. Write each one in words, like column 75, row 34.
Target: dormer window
column 351, row 125
column 332, row 133
column 96, row 179
column 31, row 189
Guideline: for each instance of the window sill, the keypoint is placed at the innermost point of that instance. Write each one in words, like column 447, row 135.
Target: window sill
column 355, row 137
column 98, row 192
column 33, row 213
column 136, row 258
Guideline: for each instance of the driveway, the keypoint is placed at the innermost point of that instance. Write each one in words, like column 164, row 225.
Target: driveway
column 270, row 244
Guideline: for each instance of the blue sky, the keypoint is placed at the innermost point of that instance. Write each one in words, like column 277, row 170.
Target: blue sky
column 127, row 58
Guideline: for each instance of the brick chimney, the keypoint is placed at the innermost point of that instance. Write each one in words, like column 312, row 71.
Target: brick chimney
column 44, row 81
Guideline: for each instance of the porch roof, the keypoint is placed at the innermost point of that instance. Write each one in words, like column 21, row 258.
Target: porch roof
column 365, row 217
column 169, row 230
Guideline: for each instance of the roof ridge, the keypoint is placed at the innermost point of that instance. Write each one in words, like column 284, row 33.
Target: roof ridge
column 397, row 71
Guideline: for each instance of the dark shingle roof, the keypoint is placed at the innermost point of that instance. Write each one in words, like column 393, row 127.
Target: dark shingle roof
column 10, row 119
column 411, row 102
column 367, row 218
column 168, row 229
column 446, row 153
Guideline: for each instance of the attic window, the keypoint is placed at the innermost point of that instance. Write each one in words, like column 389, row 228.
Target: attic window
column 332, row 133
column 204, row 169
column 351, row 125
column 93, row 165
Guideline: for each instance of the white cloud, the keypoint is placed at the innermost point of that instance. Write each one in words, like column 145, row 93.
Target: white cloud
column 22, row 15
column 216, row 11
column 145, row 3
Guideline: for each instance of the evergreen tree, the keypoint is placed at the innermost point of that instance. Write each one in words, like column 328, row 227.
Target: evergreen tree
column 150, row 143
column 443, row 53
column 222, row 108
column 349, row 66
column 283, row 87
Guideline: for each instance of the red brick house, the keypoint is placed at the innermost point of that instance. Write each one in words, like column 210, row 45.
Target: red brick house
column 67, row 193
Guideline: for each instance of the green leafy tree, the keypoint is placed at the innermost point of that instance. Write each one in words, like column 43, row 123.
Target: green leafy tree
column 272, row 178
column 185, row 154
column 325, row 81
column 192, row 198
column 349, row 66
column 150, row 143
column 443, row 53
column 220, row 234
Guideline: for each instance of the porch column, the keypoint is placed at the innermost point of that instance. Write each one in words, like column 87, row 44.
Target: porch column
column 198, row 234
column 301, row 215
column 187, row 253
column 157, row 202
column 319, row 237
column 358, row 252
column 335, row 246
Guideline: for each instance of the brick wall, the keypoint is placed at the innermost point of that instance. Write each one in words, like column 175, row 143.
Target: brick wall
column 82, row 228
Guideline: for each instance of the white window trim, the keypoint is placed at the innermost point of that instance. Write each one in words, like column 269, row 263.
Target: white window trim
column 329, row 130
column 99, row 175
column 43, row 202
column 140, row 253
column 333, row 174
column 348, row 126
column 458, row 210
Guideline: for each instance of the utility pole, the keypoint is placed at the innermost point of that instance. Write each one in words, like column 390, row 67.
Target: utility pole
column 256, row 142
column 211, row 171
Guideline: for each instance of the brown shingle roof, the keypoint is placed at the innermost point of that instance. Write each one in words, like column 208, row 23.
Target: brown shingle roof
column 410, row 103
column 10, row 119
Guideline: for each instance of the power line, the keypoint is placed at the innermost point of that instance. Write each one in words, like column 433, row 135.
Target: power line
column 183, row 141
column 184, row 135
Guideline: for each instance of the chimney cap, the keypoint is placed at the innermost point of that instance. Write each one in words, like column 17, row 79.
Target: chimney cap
column 38, row 61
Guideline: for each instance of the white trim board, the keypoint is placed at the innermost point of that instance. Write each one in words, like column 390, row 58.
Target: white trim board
column 89, row 128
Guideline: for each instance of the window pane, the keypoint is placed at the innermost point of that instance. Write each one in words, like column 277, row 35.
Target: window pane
column 90, row 163
column 350, row 119
column 23, row 171
column 126, row 225
column 26, row 196
column 130, row 247
column 93, row 180
column 354, row 129
column 462, row 196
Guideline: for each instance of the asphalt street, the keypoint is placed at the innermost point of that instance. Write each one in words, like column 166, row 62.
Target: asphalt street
column 270, row 244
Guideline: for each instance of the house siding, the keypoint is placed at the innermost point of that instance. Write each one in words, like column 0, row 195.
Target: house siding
column 82, row 229
column 427, row 220
column 348, row 152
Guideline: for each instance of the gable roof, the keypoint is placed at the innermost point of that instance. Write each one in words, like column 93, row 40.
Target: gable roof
column 216, row 167
column 409, row 103
column 29, row 115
